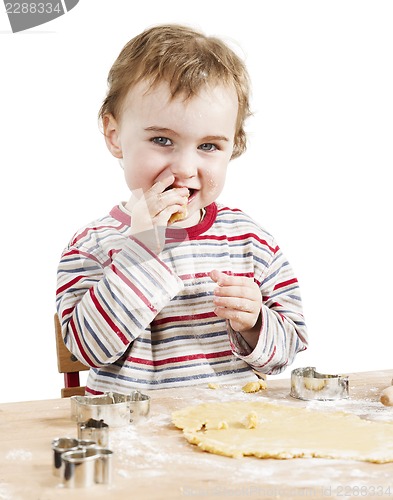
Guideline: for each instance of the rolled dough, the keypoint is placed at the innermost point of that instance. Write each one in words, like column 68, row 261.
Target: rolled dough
column 268, row 430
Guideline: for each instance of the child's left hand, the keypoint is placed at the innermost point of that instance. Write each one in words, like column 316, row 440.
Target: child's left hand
column 237, row 299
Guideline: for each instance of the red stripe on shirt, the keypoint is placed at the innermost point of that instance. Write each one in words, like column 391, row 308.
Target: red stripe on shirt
column 72, row 326
column 178, row 359
column 189, row 317
column 240, row 237
column 107, row 318
column 270, row 358
column 136, row 290
column 78, row 252
column 69, row 284
column 285, row 283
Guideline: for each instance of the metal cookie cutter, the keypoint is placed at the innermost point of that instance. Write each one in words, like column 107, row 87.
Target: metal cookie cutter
column 308, row 384
column 139, row 406
column 84, row 468
column 95, row 430
column 113, row 408
column 66, row 444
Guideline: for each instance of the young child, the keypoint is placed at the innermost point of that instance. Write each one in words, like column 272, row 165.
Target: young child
column 171, row 288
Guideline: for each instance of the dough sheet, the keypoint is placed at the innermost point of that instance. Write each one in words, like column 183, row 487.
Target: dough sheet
column 267, row 430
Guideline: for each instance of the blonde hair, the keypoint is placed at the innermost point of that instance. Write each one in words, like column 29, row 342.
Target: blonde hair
column 187, row 60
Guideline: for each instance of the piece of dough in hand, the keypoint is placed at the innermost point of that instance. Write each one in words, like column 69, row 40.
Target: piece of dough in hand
column 179, row 215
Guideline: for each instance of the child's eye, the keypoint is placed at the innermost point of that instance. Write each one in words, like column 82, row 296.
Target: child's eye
column 207, row 146
column 162, row 141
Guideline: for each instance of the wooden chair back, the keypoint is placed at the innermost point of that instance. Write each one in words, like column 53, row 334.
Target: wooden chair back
column 68, row 365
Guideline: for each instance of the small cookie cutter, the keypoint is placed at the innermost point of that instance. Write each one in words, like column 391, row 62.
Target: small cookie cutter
column 94, row 430
column 308, row 384
column 113, row 408
column 86, row 467
column 67, row 444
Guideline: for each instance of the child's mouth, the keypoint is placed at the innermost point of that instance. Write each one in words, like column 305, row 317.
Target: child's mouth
column 192, row 192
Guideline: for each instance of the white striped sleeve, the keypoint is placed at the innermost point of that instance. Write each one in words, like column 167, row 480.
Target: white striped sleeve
column 104, row 308
column 283, row 331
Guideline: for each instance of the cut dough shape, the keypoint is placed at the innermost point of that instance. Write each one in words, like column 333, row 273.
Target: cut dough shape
column 251, row 420
column 278, row 431
column 255, row 386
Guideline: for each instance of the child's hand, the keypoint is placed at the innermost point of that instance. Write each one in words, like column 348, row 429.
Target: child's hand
column 151, row 210
column 237, row 299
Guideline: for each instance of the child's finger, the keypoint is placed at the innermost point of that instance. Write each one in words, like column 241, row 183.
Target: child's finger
column 161, row 183
column 234, row 286
column 236, row 290
column 222, row 279
column 214, row 275
column 235, row 303
column 239, row 320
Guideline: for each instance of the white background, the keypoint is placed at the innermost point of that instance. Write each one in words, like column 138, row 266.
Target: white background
column 316, row 173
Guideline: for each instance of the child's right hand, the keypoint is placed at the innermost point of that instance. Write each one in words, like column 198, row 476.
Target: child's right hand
column 152, row 209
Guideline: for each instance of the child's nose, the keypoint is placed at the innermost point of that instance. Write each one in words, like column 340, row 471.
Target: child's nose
column 185, row 165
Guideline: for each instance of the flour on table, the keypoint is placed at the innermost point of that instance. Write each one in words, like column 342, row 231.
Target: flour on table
column 19, row 455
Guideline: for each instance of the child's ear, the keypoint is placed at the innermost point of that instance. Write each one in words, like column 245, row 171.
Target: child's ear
column 111, row 132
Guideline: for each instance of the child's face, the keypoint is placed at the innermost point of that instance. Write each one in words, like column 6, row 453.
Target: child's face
column 191, row 140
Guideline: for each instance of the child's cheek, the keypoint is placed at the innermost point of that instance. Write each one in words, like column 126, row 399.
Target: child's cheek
column 214, row 184
column 142, row 175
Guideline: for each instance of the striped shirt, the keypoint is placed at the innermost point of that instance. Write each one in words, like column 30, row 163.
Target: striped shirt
column 147, row 321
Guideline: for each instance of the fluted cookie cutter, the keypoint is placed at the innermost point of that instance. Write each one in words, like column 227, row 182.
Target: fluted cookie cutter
column 86, row 467
column 113, row 408
column 308, row 384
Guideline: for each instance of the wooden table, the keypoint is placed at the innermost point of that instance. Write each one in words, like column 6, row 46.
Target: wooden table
column 152, row 460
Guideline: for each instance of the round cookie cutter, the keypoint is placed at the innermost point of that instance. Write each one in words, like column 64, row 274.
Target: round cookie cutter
column 308, row 384
column 86, row 467
column 64, row 445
